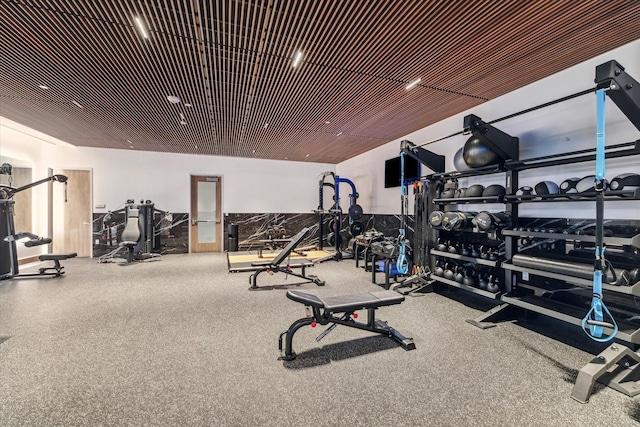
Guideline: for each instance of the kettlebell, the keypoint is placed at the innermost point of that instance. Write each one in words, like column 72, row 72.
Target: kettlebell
column 469, row 277
column 466, row 250
column 484, row 252
column 493, row 284
column 442, row 247
column 439, row 271
column 448, row 272
column 482, row 281
column 475, row 251
column 453, row 249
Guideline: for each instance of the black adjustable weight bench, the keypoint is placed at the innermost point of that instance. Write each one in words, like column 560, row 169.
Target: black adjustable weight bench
column 56, row 258
column 274, row 266
column 324, row 312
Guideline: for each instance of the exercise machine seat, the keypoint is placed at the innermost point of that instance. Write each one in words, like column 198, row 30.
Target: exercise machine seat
column 131, row 233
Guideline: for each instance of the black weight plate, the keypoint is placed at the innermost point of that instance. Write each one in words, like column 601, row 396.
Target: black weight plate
column 356, row 228
column 355, row 212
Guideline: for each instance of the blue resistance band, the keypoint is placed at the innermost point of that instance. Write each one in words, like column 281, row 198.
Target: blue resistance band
column 595, row 316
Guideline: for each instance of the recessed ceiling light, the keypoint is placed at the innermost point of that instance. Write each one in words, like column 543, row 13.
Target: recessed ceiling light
column 413, row 83
column 297, row 59
column 196, row 147
column 131, row 146
column 44, row 87
column 173, row 99
column 307, row 155
column 129, row 142
column 143, row 30
column 326, row 122
column 188, row 105
column 77, row 104
column 254, row 151
column 339, row 133
column 266, row 125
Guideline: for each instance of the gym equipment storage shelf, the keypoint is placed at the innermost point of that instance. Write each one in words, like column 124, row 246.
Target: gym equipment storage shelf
column 472, row 234
column 525, row 293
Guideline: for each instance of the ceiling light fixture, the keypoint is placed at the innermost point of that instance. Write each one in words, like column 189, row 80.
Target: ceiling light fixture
column 339, row 133
column 187, row 104
column 129, row 142
column 297, row 59
column 307, row 155
column 183, row 121
column 44, row 87
column 173, row 99
column 143, row 30
column 77, row 104
column 413, row 83
column 266, row 125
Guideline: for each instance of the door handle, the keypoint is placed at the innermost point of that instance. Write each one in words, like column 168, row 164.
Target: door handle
column 194, row 221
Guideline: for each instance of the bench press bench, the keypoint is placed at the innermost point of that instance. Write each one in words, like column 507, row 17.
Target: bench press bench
column 324, row 312
column 56, row 258
column 274, row 266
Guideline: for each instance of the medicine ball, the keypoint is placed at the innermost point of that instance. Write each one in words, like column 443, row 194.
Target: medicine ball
column 525, row 193
column 569, row 185
column 626, row 181
column 545, row 188
column 460, row 192
column 588, row 184
column 493, row 191
column 477, row 155
column 458, row 161
column 474, row 191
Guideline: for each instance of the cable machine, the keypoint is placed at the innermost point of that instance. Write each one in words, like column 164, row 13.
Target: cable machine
column 8, row 236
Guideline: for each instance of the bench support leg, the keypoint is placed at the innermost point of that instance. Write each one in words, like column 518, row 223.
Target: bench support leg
column 325, row 318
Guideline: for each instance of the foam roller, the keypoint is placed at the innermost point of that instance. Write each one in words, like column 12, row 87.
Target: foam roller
column 574, row 269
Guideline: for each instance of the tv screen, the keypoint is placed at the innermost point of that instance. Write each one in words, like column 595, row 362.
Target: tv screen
column 392, row 172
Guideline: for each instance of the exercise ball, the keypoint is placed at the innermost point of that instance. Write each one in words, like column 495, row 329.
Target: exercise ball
column 477, row 155
column 458, row 161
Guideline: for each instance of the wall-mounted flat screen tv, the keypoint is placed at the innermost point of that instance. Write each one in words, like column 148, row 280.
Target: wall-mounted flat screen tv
column 392, row 172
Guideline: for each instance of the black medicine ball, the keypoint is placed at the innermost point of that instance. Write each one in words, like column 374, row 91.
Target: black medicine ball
column 477, row 155
column 493, row 190
column 545, row 188
column 568, row 186
column 474, row 191
column 626, row 181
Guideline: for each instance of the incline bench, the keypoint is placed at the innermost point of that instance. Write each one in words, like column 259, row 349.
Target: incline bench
column 324, row 311
column 273, row 266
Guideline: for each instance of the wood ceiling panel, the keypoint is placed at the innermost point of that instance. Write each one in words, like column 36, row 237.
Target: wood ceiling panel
column 230, row 63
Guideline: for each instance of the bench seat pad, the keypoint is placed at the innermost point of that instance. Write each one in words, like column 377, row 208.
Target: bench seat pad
column 351, row 302
column 57, row 257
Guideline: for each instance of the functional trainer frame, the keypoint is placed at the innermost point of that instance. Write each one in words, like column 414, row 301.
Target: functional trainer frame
column 274, row 266
column 324, row 312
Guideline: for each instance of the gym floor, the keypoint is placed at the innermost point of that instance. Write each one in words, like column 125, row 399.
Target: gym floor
column 181, row 341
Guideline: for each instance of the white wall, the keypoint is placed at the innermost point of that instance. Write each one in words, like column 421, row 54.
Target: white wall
column 565, row 126
column 249, row 185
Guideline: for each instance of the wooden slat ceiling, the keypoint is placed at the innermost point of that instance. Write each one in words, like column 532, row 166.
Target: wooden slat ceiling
column 230, row 63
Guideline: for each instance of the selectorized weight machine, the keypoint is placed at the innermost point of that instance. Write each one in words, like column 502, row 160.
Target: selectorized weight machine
column 8, row 237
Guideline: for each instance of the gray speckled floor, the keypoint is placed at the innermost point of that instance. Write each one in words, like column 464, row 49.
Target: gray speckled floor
column 182, row 342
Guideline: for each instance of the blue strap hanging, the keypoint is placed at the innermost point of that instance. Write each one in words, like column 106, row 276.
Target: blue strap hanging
column 402, row 266
column 595, row 318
